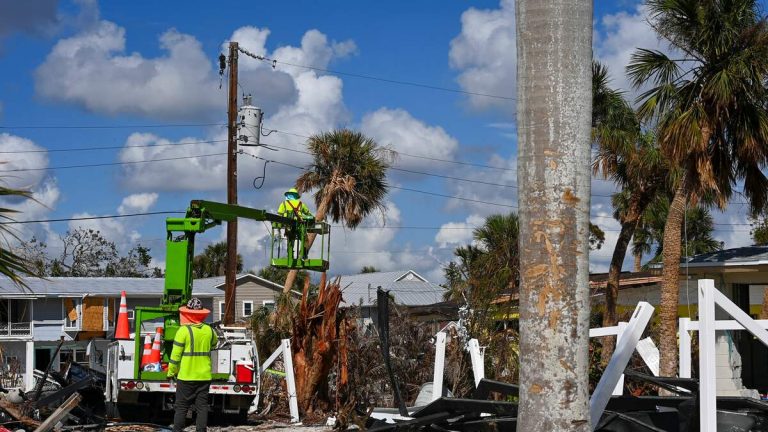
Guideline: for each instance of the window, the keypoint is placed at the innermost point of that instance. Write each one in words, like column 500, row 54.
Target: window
column 73, row 309
column 247, row 308
column 221, row 311
column 268, row 305
column 76, row 355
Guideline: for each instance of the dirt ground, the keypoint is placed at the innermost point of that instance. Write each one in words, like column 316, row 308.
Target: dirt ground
column 266, row 426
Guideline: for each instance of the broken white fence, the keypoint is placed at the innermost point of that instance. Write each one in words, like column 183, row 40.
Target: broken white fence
column 285, row 350
column 476, row 355
column 614, row 372
column 646, row 348
column 709, row 297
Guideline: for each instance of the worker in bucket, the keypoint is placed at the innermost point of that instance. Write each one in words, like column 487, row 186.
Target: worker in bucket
column 190, row 364
column 292, row 207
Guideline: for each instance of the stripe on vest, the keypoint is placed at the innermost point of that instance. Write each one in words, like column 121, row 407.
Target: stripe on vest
column 191, row 337
column 178, row 344
column 171, row 361
column 196, row 354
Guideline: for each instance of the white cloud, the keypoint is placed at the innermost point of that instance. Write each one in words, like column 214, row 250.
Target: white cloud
column 44, row 189
column 92, row 69
column 318, row 105
column 458, row 233
column 137, row 203
column 485, row 53
column 33, row 157
column 402, row 132
column 194, row 173
column 619, row 36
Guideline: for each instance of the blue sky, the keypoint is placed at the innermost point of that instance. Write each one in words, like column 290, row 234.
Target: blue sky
column 132, row 65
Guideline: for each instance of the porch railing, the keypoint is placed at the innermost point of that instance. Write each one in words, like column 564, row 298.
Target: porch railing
column 8, row 330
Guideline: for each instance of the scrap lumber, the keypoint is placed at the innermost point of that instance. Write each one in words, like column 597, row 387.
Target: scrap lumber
column 14, row 411
column 60, row 413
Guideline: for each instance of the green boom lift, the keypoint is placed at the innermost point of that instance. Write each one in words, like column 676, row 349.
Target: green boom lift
column 288, row 242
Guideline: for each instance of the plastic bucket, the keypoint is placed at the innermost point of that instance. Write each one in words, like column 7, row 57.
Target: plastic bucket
column 244, row 371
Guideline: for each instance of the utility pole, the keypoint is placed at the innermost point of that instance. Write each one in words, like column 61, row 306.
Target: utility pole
column 230, row 274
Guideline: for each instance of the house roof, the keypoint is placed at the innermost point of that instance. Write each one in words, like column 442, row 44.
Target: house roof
column 218, row 282
column 102, row 286
column 743, row 256
column 598, row 281
column 407, row 287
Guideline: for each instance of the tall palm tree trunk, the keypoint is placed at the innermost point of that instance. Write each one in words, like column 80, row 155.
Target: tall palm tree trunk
column 554, row 108
column 322, row 211
column 612, row 285
column 638, row 261
column 670, row 290
column 764, row 310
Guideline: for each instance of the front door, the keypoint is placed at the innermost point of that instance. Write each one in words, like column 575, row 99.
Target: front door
column 42, row 358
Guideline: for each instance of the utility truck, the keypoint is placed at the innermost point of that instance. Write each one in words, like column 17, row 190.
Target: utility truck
column 133, row 393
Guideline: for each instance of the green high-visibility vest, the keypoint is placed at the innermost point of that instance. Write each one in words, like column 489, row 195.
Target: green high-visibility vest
column 191, row 354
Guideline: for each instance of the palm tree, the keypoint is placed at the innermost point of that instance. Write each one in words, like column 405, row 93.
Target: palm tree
column 696, row 236
column 633, row 161
column 554, row 109
column 213, row 261
column 484, row 269
column 349, row 176
column 708, row 101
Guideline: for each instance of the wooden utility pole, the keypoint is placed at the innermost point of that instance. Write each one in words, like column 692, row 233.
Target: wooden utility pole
column 230, row 274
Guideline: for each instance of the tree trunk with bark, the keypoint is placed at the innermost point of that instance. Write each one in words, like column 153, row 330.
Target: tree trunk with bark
column 610, row 317
column 638, row 261
column 554, row 117
column 670, row 289
column 764, row 310
column 317, row 345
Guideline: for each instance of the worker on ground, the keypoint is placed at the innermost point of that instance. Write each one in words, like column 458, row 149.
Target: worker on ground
column 190, row 364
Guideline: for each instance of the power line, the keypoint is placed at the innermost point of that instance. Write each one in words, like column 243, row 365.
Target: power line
column 79, row 149
column 91, row 217
column 273, row 62
column 399, row 153
column 108, row 126
column 394, row 187
column 112, row 163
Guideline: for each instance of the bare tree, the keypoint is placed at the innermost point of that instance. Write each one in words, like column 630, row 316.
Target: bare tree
column 554, row 108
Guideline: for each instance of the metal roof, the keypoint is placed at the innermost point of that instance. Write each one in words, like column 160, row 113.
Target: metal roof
column 407, row 287
column 101, row 286
column 749, row 255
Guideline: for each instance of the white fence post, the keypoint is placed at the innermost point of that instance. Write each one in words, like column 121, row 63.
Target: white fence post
column 476, row 355
column 290, row 380
column 437, row 378
column 619, row 360
column 684, row 348
column 621, row 327
column 707, row 380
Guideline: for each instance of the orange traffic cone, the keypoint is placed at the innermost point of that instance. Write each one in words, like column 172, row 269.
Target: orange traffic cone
column 147, row 354
column 155, row 356
column 122, row 331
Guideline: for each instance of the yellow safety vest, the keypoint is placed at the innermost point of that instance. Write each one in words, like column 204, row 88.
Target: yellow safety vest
column 191, row 354
column 293, row 208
